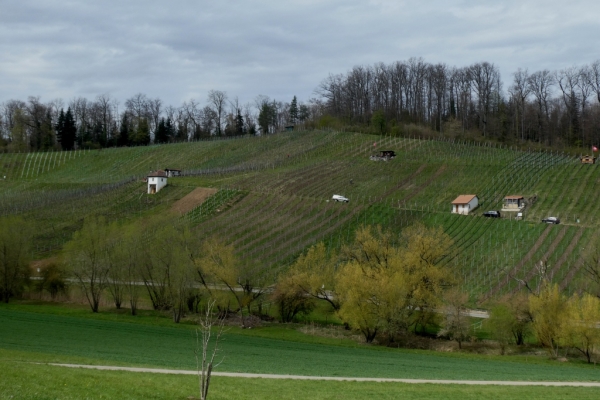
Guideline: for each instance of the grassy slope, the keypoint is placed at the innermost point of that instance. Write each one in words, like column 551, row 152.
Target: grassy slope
column 25, row 381
column 28, row 336
column 44, row 382
column 288, row 179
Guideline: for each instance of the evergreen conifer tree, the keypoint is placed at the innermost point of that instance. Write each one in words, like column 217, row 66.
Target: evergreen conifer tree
column 266, row 117
column 142, row 135
column 239, row 124
column 294, row 110
column 124, row 132
column 170, row 129
column 161, row 132
column 60, row 126
column 69, row 131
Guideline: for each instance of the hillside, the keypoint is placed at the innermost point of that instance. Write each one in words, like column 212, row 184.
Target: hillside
column 274, row 192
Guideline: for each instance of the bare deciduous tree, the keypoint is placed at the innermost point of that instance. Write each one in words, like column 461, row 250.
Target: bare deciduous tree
column 456, row 323
column 205, row 357
column 520, row 90
column 218, row 99
column 540, row 84
column 86, row 257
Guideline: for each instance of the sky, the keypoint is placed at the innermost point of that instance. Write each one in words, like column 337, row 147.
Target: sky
column 179, row 50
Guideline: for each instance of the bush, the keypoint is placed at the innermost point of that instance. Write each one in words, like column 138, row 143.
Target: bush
column 53, row 281
column 291, row 302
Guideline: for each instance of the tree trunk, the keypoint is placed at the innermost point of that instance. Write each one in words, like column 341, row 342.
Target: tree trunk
column 95, row 305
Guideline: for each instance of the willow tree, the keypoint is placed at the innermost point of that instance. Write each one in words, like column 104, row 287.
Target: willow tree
column 127, row 260
column 167, row 267
column 87, row 258
column 582, row 331
column 387, row 285
column 550, row 312
column 312, row 275
column 225, row 277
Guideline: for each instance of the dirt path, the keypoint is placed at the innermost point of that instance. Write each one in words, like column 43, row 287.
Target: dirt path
column 332, row 378
column 192, row 200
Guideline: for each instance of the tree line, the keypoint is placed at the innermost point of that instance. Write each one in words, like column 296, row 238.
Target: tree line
column 554, row 108
column 549, row 107
column 383, row 285
column 33, row 125
column 388, row 287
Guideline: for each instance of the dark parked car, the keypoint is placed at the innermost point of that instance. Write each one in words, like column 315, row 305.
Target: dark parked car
column 492, row 214
column 551, row 220
column 383, row 155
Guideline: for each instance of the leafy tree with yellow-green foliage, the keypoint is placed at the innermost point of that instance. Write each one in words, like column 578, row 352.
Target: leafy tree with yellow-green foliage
column 510, row 320
column 219, row 268
column 582, row 329
column 388, row 287
column 313, row 275
column 550, row 313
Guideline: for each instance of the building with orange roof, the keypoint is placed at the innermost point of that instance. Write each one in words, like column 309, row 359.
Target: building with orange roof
column 464, row 204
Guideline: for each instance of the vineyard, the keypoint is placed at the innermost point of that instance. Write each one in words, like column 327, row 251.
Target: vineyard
column 273, row 198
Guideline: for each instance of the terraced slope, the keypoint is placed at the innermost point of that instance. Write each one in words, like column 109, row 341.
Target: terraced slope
column 272, row 197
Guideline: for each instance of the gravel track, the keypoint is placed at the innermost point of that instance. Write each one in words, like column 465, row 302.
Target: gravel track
column 331, row 378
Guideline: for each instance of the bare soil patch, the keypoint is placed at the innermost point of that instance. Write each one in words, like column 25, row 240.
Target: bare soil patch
column 193, row 200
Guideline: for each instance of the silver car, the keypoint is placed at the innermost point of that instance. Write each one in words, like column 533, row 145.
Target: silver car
column 337, row 197
column 551, row 220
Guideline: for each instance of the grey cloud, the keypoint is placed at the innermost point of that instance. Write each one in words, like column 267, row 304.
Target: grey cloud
column 181, row 49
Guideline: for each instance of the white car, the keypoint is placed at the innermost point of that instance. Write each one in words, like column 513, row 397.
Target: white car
column 337, row 197
column 551, row 220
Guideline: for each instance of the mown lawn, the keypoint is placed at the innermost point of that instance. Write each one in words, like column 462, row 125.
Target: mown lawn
column 273, row 349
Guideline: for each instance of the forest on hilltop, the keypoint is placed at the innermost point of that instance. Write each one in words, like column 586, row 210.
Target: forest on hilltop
column 559, row 109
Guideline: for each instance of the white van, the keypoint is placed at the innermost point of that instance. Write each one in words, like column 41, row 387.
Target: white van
column 337, row 197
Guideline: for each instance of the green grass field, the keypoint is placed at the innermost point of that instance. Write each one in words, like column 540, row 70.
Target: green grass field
column 33, row 335
column 278, row 349
column 27, row 381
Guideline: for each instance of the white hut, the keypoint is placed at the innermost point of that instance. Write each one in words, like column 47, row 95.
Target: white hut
column 464, row 203
column 156, row 181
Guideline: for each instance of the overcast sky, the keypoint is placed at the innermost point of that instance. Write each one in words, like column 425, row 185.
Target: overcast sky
column 177, row 50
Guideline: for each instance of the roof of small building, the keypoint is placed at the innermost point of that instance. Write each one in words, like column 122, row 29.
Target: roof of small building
column 513, row 197
column 160, row 173
column 464, row 198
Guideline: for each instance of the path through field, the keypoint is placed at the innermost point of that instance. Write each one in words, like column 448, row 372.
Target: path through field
column 331, row 378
